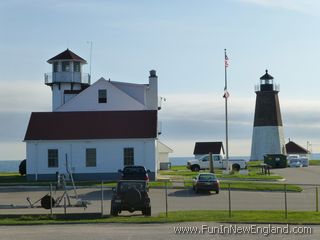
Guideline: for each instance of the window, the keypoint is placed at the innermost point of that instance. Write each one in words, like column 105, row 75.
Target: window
column 128, row 156
column 91, row 157
column 76, row 66
column 53, row 159
column 65, row 67
column 102, row 95
column 205, row 159
column 216, row 158
column 55, row 67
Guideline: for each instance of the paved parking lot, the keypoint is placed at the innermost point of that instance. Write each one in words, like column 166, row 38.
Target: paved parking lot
column 178, row 199
column 302, row 175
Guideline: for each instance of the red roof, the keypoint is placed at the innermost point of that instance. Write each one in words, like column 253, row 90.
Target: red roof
column 92, row 125
column 208, row 147
column 293, row 148
column 67, row 55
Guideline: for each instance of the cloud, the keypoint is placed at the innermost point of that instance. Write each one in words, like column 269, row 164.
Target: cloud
column 13, row 126
column 305, row 6
column 21, row 96
column 187, row 118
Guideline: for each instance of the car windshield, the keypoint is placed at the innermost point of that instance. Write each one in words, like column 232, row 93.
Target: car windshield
column 207, row 177
column 134, row 170
column 125, row 186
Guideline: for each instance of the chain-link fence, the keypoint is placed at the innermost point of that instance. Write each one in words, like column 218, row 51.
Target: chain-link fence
column 165, row 196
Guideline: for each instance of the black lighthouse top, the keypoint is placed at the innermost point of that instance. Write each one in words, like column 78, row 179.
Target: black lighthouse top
column 266, row 82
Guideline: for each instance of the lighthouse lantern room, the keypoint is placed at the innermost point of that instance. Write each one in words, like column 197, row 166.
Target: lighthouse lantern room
column 66, row 79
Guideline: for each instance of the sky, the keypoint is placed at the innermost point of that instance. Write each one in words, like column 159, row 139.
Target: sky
column 184, row 41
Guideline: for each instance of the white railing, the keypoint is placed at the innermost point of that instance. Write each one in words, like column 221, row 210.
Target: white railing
column 67, row 77
column 275, row 87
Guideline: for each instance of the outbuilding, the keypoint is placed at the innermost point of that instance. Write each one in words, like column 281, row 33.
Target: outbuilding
column 203, row 148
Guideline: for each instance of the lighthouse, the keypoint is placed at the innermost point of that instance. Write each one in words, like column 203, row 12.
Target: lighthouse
column 66, row 79
column 268, row 135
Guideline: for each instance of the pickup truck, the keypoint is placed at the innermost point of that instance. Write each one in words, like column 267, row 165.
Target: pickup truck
column 218, row 162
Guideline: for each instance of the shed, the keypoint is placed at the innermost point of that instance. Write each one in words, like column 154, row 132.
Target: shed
column 295, row 149
column 163, row 156
column 203, row 148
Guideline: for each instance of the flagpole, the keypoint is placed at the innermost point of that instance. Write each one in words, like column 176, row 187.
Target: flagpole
column 226, row 107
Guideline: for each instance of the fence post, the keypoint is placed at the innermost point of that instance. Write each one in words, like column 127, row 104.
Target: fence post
column 211, row 169
column 229, row 198
column 166, row 193
column 51, row 211
column 65, row 205
column 317, row 199
column 285, row 201
column 102, row 198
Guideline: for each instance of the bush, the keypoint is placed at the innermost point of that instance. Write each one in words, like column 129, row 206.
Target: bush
column 23, row 167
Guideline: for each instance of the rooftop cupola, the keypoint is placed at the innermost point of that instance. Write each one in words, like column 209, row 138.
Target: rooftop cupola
column 66, row 79
column 67, row 67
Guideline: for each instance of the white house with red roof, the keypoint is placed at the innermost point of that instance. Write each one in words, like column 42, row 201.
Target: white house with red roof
column 93, row 130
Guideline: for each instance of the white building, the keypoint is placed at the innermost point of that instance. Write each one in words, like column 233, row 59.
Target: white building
column 94, row 130
column 163, row 156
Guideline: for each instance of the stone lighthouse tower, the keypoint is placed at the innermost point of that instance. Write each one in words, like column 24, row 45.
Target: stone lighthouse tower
column 267, row 137
column 66, row 79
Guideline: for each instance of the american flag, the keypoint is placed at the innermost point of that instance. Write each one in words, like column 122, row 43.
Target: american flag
column 226, row 59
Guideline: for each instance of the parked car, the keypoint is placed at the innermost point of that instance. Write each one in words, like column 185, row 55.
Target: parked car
column 130, row 195
column 206, row 182
column 134, row 173
column 294, row 164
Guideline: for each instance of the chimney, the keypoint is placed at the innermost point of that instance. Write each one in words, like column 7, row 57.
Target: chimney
column 152, row 91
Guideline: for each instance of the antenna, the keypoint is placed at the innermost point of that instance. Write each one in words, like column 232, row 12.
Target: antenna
column 90, row 42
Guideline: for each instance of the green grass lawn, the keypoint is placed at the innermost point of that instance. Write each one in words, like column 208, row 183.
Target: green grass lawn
column 221, row 216
column 242, row 182
column 314, row 162
column 254, row 172
column 254, row 186
column 11, row 179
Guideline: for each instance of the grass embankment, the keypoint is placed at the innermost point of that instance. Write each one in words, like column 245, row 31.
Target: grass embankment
column 254, row 186
column 237, row 181
column 241, row 216
column 14, row 179
column 254, row 173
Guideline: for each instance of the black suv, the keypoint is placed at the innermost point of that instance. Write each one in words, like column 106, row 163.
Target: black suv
column 135, row 173
column 130, row 195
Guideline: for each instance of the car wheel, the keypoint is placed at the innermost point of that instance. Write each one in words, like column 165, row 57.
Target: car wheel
column 114, row 211
column 236, row 167
column 195, row 168
column 147, row 211
column 196, row 190
column 217, row 191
